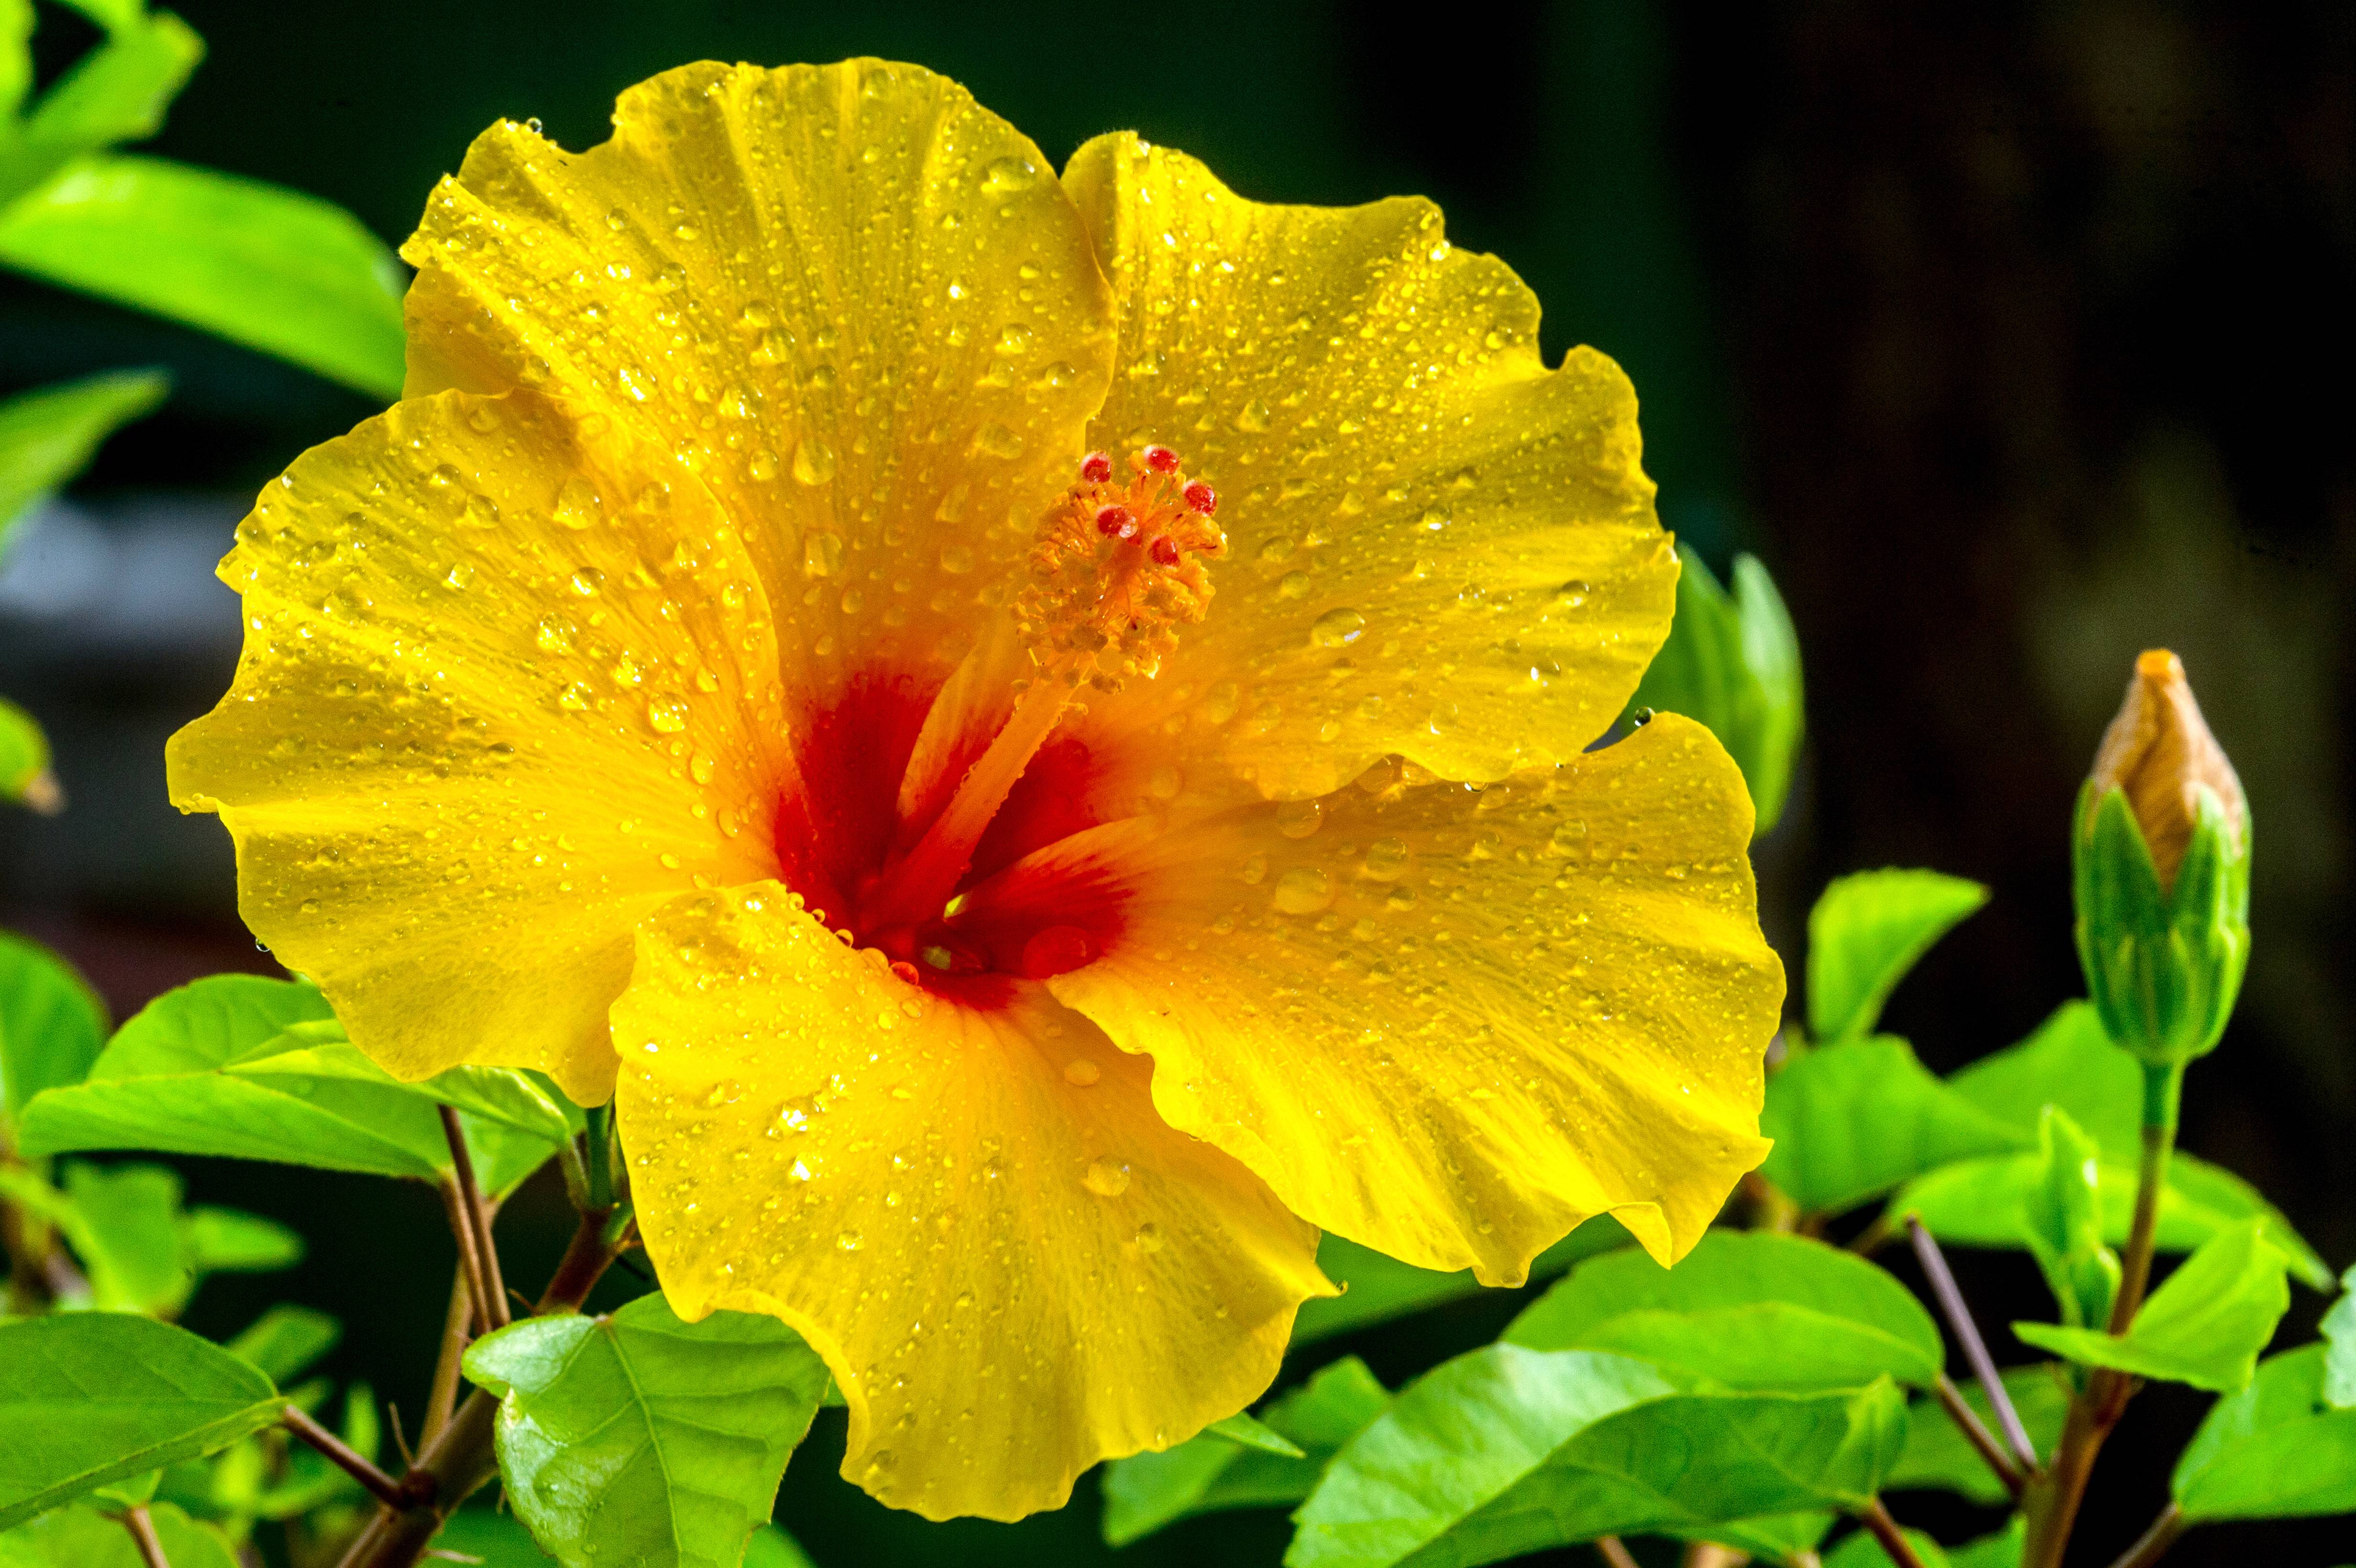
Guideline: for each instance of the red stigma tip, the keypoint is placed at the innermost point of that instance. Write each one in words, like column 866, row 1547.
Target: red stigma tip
column 1115, row 522
column 1096, row 468
column 1201, row 497
column 1161, row 459
column 1164, row 550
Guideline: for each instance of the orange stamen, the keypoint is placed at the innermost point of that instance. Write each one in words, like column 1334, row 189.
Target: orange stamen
column 1115, row 571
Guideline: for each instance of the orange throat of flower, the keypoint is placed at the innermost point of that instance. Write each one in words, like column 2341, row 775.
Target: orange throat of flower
column 959, row 888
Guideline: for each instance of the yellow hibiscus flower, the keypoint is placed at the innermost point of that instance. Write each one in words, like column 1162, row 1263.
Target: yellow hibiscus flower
column 1037, row 726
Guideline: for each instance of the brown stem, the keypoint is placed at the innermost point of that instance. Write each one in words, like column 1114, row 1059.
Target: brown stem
column 1876, row 1518
column 1609, row 1547
column 417, row 1486
column 1967, row 1332
column 144, row 1536
column 461, row 1457
column 1975, row 1432
column 470, row 1260
column 443, row 1396
column 491, row 1301
column 2154, row 1544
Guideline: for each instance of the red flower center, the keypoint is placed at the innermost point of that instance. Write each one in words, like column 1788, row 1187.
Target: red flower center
column 936, row 873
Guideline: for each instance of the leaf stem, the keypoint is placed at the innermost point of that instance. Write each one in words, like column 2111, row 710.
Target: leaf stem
column 144, row 1536
column 1876, row 1517
column 1967, row 1333
column 491, row 1296
column 2154, row 1543
column 462, row 1457
column 1975, row 1432
column 2051, row 1504
column 442, row 1396
column 1613, row 1553
column 417, row 1486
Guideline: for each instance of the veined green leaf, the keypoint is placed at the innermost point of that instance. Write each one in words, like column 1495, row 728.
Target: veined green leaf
column 1507, row 1451
column 658, row 1442
column 2273, row 1450
column 82, row 1537
column 285, row 1340
column 252, row 1069
column 50, row 434
column 90, row 1397
column 2204, row 1325
column 1850, row 1122
column 260, row 265
column 1207, row 1473
column 51, row 1023
column 1940, row 1457
column 1747, row 1310
column 1376, row 1289
column 1866, row 931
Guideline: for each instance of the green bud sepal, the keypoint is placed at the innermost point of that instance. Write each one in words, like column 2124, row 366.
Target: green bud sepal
column 2163, row 965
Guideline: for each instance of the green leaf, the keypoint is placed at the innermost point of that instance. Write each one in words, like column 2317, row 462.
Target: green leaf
column 82, row 1537
column 2339, row 1330
column 1781, row 1538
column 130, row 1242
column 1977, row 1203
column 2204, row 1325
column 116, row 93
column 2062, row 1223
column 1853, row 1121
column 253, row 1069
column 260, row 265
column 652, row 1441
column 1866, row 931
column 2001, row 1549
column 499, row 1537
column 25, row 777
column 89, row 1397
column 773, row 1548
column 1860, row 1550
column 1376, row 1289
column 51, row 1023
column 285, row 1340
column 1507, row 1451
column 2067, row 1062
column 227, row 1241
column 1734, row 664
column 1243, row 1431
column 48, row 435
column 1206, row 1474
column 1747, row 1310
column 2275, row 1450
column 115, row 16
column 1939, row 1458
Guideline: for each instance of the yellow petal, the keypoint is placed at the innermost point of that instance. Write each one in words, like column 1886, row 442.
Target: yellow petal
column 1013, row 1266
column 1449, row 1023
column 491, row 662
column 1441, row 548
column 860, row 306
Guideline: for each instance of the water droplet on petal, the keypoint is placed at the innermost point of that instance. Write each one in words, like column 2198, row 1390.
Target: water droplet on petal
column 1305, row 890
column 1337, row 628
column 1107, row 1177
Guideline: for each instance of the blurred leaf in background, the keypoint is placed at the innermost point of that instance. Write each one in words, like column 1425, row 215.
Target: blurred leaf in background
column 1734, row 662
column 258, row 264
column 48, row 435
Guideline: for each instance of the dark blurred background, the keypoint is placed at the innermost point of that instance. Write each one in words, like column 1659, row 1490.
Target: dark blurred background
column 2013, row 338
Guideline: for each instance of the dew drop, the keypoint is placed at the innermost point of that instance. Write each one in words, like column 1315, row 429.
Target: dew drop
column 762, row 466
column 813, row 460
column 1080, row 1072
column 576, row 504
column 821, row 553
column 956, row 559
column 576, row 697
column 1386, row 860
column 1299, row 818
column 851, row 1242
column 1337, row 628
column 1305, row 890
column 1254, row 418
column 1008, row 174
column 667, row 715
column 1149, row 1237
column 1293, row 585
column 1107, row 1177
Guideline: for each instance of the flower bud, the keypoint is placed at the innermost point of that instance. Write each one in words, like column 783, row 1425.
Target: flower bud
column 2160, row 854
